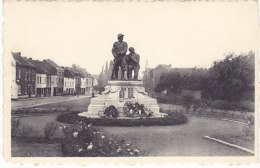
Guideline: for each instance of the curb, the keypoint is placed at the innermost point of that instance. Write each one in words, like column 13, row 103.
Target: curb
column 230, row 145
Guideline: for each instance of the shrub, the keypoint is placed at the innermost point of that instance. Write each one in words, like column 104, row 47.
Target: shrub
column 227, row 105
column 83, row 140
column 50, row 129
column 174, row 119
column 162, row 100
column 187, row 101
column 15, row 127
column 111, row 111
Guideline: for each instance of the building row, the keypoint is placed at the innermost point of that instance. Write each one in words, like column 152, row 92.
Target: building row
column 34, row 78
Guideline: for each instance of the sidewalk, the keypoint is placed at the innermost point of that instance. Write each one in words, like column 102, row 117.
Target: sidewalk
column 32, row 102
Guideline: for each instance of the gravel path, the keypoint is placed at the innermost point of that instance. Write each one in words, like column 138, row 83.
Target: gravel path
column 181, row 140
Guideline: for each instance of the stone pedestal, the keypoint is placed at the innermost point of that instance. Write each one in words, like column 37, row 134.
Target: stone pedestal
column 116, row 94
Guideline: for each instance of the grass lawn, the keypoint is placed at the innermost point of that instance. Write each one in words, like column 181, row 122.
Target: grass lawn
column 73, row 105
column 34, row 149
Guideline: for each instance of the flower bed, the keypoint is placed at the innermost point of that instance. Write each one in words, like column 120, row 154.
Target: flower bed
column 172, row 119
column 83, row 140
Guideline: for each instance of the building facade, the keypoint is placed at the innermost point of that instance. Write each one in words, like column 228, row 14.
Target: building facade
column 14, row 86
column 89, row 84
column 25, row 76
column 69, row 87
column 41, row 86
column 54, row 79
column 58, row 90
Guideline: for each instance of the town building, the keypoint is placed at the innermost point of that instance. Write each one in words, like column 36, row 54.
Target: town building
column 86, row 80
column 89, row 84
column 77, row 76
column 69, row 87
column 60, row 77
column 25, row 76
column 52, row 78
column 14, row 86
column 155, row 74
column 45, row 78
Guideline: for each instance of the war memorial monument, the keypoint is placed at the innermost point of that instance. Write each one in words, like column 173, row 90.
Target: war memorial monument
column 126, row 97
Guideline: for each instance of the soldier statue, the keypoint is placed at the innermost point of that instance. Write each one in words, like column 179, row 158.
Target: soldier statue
column 119, row 52
column 132, row 60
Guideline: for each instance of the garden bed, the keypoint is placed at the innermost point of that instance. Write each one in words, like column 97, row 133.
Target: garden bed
column 172, row 119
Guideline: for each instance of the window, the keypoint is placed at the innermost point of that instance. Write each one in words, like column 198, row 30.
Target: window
column 19, row 73
column 40, row 79
column 29, row 75
column 26, row 76
column 19, row 89
column 25, row 90
column 32, row 76
column 37, row 79
column 59, row 80
column 33, row 90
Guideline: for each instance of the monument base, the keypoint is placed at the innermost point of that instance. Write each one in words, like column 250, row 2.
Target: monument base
column 117, row 93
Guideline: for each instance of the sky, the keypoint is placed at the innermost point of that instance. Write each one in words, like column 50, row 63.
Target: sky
column 180, row 34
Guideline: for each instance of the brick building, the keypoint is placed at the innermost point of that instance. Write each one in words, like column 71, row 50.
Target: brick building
column 25, row 76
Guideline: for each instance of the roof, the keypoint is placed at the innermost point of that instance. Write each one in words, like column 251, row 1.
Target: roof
column 95, row 76
column 68, row 73
column 42, row 67
column 21, row 61
column 52, row 63
column 81, row 70
column 166, row 67
column 75, row 72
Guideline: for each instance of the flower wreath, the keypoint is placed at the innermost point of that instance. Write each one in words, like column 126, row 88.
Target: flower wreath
column 134, row 109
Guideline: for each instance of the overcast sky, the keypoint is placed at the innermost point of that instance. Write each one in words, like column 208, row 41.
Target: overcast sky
column 180, row 34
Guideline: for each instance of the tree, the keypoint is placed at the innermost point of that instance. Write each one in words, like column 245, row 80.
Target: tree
column 231, row 79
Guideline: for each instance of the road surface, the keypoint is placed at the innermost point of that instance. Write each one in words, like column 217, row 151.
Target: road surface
column 38, row 101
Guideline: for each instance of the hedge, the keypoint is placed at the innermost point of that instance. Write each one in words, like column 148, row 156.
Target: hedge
column 172, row 119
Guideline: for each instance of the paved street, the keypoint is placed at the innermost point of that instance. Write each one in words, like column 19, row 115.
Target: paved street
column 32, row 102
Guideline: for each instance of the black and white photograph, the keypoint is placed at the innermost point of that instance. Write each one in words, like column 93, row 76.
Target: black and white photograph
column 125, row 80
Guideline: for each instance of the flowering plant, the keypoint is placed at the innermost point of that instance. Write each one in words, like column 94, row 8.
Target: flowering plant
column 134, row 109
column 111, row 111
column 83, row 139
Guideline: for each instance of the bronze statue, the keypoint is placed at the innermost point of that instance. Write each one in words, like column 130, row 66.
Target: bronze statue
column 132, row 60
column 119, row 52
